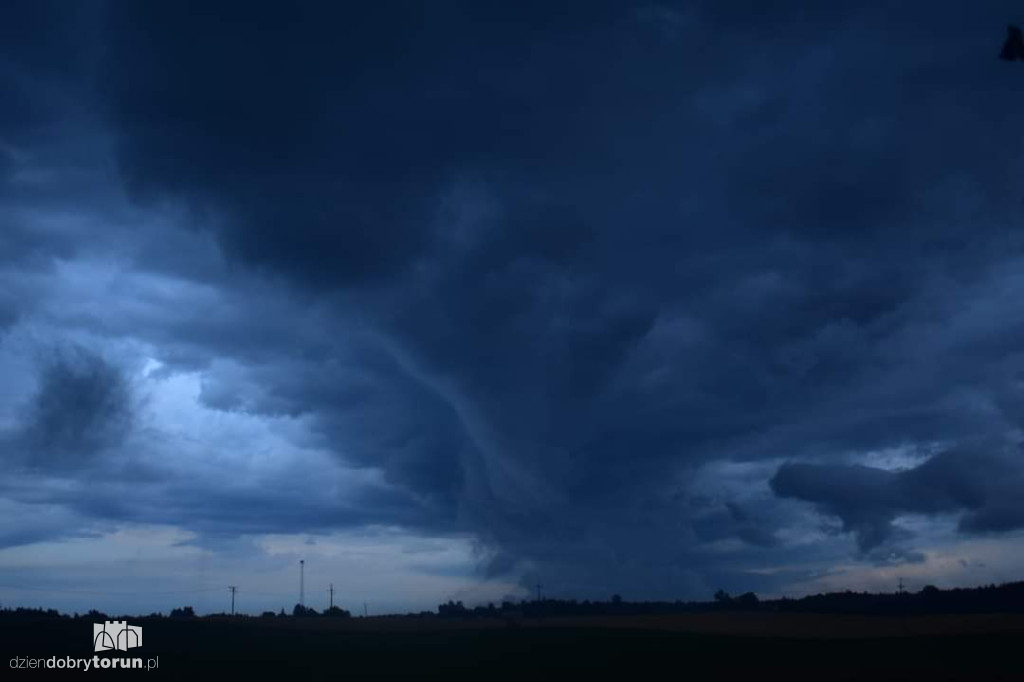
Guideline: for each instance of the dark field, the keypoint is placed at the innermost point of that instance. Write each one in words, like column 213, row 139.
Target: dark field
column 697, row 646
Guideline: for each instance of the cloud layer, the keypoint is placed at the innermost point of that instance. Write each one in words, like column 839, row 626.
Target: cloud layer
column 614, row 290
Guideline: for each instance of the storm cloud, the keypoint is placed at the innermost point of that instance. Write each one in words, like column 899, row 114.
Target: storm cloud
column 982, row 481
column 83, row 406
column 618, row 290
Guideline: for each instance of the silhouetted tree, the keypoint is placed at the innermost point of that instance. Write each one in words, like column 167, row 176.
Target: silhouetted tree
column 748, row 600
column 22, row 613
column 1005, row 598
column 452, row 609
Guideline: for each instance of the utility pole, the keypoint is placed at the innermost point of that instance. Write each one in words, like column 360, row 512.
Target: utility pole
column 901, row 585
column 364, row 610
column 302, row 583
column 331, row 590
column 233, row 589
column 538, row 586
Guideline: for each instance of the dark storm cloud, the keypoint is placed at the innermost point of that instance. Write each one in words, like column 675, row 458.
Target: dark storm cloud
column 586, row 327
column 212, row 511
column 983, row 483
column 733, row 520
column 42, row 44
column 328, row 130
column 546, row 265
column 47, row 52
column 84, row 406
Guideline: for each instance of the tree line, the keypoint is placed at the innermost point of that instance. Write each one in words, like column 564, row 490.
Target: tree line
column 1004, row 598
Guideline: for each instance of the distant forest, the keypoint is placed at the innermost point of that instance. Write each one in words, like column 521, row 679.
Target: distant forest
column 1005, row 598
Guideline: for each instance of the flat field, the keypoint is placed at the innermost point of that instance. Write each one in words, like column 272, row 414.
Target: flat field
column 712, row 646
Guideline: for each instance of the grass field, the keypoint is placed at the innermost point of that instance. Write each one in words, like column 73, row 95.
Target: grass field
column 696, row 646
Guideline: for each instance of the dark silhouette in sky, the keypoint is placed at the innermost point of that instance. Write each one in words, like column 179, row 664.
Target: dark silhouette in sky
column 1013, row 48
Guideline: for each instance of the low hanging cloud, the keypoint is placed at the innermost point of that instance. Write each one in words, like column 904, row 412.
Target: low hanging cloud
column 981, row 483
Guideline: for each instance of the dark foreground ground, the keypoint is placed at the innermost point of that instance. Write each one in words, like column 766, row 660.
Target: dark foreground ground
column 693, row 647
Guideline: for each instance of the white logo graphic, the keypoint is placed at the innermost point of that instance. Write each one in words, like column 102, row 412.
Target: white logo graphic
column 116, row 634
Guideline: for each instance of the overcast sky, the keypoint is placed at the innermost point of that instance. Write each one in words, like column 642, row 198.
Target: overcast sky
column 452, row 298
